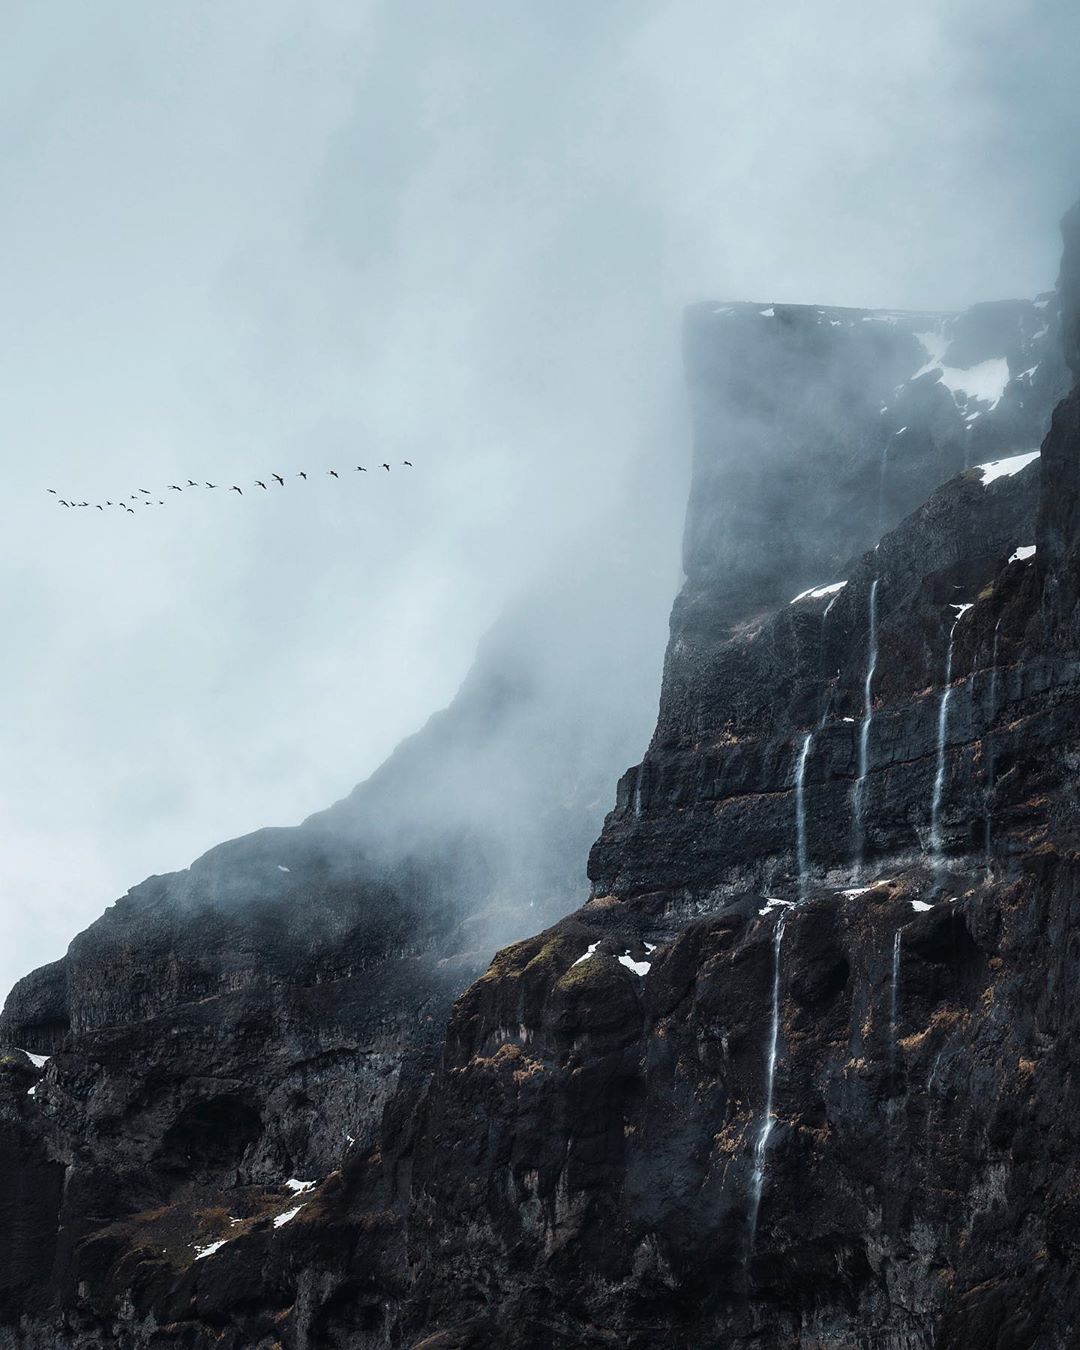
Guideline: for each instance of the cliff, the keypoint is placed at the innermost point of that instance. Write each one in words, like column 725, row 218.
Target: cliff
column 798, row 1073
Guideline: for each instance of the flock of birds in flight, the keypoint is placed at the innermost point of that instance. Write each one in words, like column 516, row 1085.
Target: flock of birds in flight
column 144, row 497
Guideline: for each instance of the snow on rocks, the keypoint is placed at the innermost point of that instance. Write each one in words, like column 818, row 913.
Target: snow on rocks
column 299, row 1187
column 591, row 952
column 287, row 1217
column 818, row 592
column 38, row 1061
column 1023, row 553
column 771, row 902
column 201, row 1253
column 641, row 968
column 921, row 906
column 1005, row 468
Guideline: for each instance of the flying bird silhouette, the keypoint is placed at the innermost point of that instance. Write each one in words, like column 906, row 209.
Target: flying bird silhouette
column 99, row 506
column 386, row 467
column 174, row 488
column 212, row 485
column 260, row 483
column 234, row 488
column 407, row 463
column 302, row 475
column 279, row 478
column 332, row 472
column 64, row 503
column 360, row 469
column 192, row 483
column 52, row 490
column 147, row 491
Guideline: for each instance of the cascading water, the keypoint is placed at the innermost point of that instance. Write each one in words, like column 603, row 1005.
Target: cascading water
column 943, row 723
column 857, row 802
column 761, row 1144
column 801, row 851
column 894, row 991
column 991, row 714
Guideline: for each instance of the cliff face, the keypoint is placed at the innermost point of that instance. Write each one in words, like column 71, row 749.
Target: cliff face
column 798, row 1074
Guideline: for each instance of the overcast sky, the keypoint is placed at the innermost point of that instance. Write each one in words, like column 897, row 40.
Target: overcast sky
column 255, row 237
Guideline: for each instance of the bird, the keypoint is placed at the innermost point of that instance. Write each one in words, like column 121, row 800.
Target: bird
column 64, row 503
column 108, row 503
column 99, row 506
column 192, row 483
column 332, row 472
column 214, row 485
column 234, row 488
column 52, row 490
column 302, row 475
column 174, row 488
column 260, row 483
column 360, row 469
column 147, row 491
column 407, row 463
column 279, row 478
column 386, row 467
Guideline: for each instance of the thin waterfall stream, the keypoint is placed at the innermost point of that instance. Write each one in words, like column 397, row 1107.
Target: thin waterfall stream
column 991, row 714
column 943, row 724
column 858, row 796
column 801, row 850
column 761, row 1143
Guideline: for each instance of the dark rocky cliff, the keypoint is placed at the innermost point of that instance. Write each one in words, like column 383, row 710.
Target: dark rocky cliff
column 800, row 1073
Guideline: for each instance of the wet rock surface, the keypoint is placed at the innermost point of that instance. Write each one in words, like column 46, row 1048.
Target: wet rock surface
column 800, row 1073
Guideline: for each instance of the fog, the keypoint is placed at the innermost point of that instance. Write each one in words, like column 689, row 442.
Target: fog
column 270, row 237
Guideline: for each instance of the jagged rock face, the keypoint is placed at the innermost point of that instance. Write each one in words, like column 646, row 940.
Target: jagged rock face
column 747, row 673
column 247, row 1020
column 800, row 1072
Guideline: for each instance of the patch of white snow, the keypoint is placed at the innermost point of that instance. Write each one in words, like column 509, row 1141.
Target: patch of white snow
column 299, row 1187
column 202, row 1252
column 287, row 1217
column 641, row 968
column 592, row 950
column 1005, row 468
column 818, row 592
column 920, row 906
column 1023, row 553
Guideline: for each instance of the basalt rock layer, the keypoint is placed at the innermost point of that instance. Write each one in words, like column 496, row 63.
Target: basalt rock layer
column 798, row 1074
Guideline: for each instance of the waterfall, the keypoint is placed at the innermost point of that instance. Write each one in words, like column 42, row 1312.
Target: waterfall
column 894, row 991
column 881, row 490
column 761, row 1144
column 800, row 814
column 989, row 753
column 943, row 723
column 864, row 735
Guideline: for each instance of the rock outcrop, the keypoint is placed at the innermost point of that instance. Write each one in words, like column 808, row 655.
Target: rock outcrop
column 798, row 1074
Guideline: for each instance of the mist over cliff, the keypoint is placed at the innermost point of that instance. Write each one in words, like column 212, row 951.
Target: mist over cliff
column 249, row 239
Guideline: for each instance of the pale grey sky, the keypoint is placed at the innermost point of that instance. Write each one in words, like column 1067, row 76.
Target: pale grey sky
column 269, row 236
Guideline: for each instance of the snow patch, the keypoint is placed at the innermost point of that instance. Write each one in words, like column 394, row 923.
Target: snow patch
column 818, row 592
column 591, row 952
column 1023, row 553
column 985, row 382
column 769, row 313
column 641, row 968
column 920, row 906
column 299, row 1187
column 202, row 1252
column 772, row 903
column 1005, row 468
column 287, row 1217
